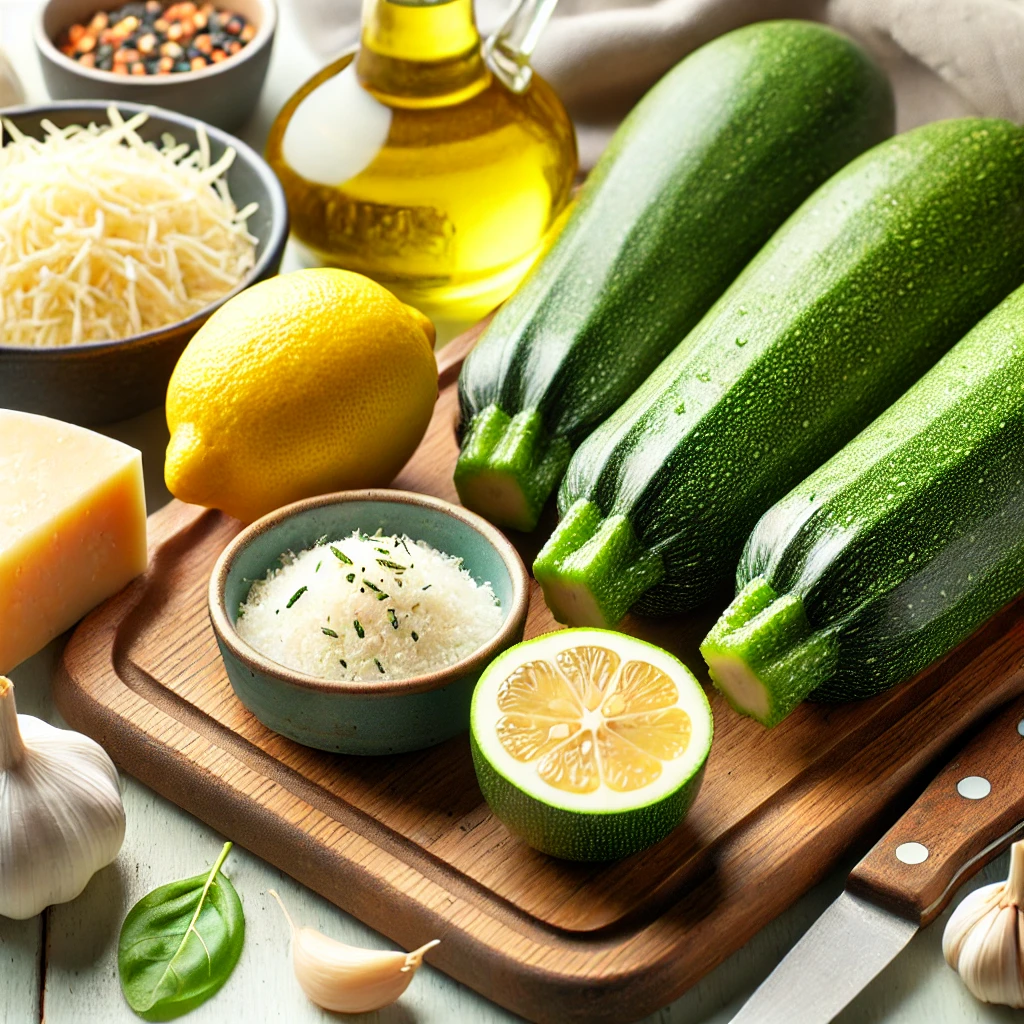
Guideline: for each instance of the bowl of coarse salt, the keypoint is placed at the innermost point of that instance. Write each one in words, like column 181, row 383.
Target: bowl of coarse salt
column 359, row 622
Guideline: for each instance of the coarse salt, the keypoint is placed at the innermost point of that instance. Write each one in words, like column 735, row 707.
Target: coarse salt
column 369, row 608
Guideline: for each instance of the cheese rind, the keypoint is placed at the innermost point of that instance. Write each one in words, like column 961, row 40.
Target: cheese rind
column 72, row 527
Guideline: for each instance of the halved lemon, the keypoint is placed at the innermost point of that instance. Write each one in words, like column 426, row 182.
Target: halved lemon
column 589, row 744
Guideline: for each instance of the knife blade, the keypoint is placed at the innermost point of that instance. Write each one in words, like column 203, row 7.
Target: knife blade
column 969, row 814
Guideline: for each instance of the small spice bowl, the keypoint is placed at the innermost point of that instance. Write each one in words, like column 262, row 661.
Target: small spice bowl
column 356, row 717
column 223, row 94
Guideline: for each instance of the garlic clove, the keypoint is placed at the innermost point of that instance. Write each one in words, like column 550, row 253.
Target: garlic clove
column 983, row 939
column 349, row 979
column 61, row 816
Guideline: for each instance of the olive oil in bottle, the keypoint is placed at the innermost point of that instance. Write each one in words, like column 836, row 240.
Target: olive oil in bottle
column 433, row 165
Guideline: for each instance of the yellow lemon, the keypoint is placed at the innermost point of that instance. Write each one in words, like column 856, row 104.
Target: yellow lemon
column 314, row 381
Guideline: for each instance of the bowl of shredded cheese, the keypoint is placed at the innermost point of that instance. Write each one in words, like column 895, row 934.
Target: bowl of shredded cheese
column 122, row 229
column 359, row 622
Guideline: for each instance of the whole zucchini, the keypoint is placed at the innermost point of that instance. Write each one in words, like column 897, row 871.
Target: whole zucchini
column 866, row 286
column 700, row 174
column 895, row 550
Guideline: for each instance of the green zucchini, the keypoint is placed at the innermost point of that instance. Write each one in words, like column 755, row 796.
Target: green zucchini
column 869, row 283
column 894, row 551
column 699, row 176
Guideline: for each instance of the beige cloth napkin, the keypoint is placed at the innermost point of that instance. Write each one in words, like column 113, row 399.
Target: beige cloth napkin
column 946, row 58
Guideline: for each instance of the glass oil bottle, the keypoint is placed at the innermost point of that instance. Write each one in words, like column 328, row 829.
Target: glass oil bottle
column 426, row 161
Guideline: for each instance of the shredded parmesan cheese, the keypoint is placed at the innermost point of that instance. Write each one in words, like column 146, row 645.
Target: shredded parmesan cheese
column 104, row 236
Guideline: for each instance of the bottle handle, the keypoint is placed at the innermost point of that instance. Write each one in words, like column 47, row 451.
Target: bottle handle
column 507, row 51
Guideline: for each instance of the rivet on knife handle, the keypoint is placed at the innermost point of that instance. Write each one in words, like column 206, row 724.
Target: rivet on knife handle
column 967, row 816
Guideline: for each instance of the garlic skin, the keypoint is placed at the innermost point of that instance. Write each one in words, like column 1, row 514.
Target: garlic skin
column 984, row 936
column 349, row 979
column 61, row 817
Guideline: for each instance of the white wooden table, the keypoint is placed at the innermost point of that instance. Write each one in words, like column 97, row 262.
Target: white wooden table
column 62, row 966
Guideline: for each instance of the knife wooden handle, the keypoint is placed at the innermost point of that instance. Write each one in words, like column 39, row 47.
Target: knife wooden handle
column 967, row 816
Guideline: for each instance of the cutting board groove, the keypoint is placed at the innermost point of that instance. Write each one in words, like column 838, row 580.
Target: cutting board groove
column 406, row 843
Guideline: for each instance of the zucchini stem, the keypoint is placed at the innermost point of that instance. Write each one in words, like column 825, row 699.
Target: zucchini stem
column 509, row 466
column 593, row 568
column 763, row 655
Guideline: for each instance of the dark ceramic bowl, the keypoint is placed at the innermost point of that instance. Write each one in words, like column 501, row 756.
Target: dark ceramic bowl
column 364, row 717
column 105, row 381
column 222, row 94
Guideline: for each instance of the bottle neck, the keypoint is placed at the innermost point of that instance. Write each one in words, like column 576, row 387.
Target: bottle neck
column 420, row 54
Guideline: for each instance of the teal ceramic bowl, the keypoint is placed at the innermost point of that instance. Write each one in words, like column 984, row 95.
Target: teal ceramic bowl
column 350, row 717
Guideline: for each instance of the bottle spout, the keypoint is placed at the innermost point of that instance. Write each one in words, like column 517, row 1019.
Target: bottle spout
column 507, row 51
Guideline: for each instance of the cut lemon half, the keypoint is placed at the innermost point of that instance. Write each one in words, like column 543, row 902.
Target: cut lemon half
column 589, row 744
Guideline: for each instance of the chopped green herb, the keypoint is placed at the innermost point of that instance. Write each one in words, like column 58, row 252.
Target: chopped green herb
column 328, row 632
column 380, row 667
column 298, row 593
column 340, row 555
column 318, row 564
column 343, row 662
column 372, row 586
column 415, row 635
column 359, row 629
column 401, row 540
column 241, row 608
column 320, row 541
column 427, row 587
column 390, row 565
column 351, row 577
column 393, row 618
column 383, row 597
column 384, row 551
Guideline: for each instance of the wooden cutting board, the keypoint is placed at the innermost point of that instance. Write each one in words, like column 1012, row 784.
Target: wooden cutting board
column 407, row 844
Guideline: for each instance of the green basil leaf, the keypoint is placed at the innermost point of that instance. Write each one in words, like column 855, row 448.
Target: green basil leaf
column 180, row 944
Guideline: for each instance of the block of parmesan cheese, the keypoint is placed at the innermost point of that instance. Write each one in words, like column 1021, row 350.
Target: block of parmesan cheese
column 72, row 527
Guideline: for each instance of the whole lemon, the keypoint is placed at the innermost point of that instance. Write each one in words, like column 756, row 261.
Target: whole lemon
column 314, row 381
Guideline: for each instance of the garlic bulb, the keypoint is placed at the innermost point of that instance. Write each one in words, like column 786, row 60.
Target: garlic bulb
column 61, row 818
column 11, row 92
column 348, row 979
column 983, row 938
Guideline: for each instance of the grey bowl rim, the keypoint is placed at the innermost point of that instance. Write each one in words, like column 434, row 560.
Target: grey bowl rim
column 513, row 625
column 46, row 48
column 272, row 250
